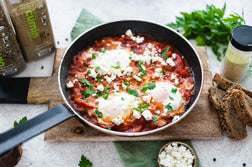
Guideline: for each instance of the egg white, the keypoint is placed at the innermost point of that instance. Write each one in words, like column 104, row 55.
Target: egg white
column 163, row 93
column 118, row 105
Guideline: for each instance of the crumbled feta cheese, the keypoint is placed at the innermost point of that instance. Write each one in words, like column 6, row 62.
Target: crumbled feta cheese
column 170, row 62
column 139, row 39
column 116, row 88
column 147, row 115
column 136, row 114
column 129, row 33
column 158, row 112
column 128, row 71
column 158, row 73
column 176, row 82
column 118, row 121
column 175, row 118
column 174, row 55
column 110, row 79
column 173, row 76
column 70, row 84
column 100, row 87
column 174, row 155
column 93, row 74
column 137, row 78
column 147, row 98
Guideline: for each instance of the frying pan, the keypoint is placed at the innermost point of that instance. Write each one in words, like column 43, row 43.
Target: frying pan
column 58, row 114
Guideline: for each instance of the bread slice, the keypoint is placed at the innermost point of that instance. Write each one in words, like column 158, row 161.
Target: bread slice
column 215, row 96
column 243, row 106
column 224, row 83
column 230, row 121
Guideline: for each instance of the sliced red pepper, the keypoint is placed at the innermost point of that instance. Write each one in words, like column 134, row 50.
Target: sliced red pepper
column 84, row 103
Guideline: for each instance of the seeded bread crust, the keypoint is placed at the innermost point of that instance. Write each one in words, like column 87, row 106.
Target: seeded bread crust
column 215, row 97
column 224, row 84
column 243, row 106
column 230, row 121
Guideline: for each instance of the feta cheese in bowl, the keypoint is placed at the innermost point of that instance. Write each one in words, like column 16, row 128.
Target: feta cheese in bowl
column 175, row 154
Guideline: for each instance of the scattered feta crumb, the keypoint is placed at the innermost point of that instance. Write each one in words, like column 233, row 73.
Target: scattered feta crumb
column 175, row 118
column 147, row 115
column 100, row 87
column 137, row 78
column 170, row 62
column 118, row 121
column 147, row 98
column 70, row 84
column 158, row 112
column 174, row 55
column 93, row 74
column 139, row 39
column 174, row 155
column 136, row 114
column 116, row 88
column 158, row 73
column 129, row 33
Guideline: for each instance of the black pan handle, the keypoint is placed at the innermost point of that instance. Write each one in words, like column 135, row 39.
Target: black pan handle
column 33, row 127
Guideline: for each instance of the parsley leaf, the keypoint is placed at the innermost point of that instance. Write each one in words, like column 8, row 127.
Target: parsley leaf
column 150, row 86
column 132, row 92
column 209, row 27
column 155, row 118
column 137, row 109
column 98, row 113
column 89, row 71
column 93, row 56
column 116, row 67
column 20, row 121
column 122, row 98
column 84, row 162
column 88, row 93
column 164, row 52
column 171, row 98
column 97, row 68
column 141, row 68
column 85, row 81
column 169, row 107
column 174, row 90
column 125, row 83
column 144, row 106
column 109, row 128
column 98, row 79
column 163, row 71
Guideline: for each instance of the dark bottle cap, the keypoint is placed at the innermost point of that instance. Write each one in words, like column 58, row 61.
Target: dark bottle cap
column 241, row 38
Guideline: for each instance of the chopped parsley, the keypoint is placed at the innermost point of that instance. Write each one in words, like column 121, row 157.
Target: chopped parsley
column 150, row 86
column 169, row 107
column 116, row 67
column 88, row 92
column 163, row 71
column 155, row 118
column 91, row 86
column 137, row 109
column 85, row 81
column 98, row 79
column 99, row 93
column 98, row 113
column 105, row 95
column 132, row 92
column 144, row 106
column 89, row 71
column 97, row 68
column 125, row 83
column 93, row 56
column 171, row 98
column 174, row 90
column 122, row 98
column 141, row 68
column 164, row 52
column 141, row 75
column 130, row 57
column 109, row 128
column 24, row 119
column 84, row 162
column 103, row 50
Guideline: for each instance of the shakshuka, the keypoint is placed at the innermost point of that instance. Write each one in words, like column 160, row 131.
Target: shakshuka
column 130, row 83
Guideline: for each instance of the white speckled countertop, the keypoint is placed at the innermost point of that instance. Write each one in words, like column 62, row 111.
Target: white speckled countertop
column 63, row 15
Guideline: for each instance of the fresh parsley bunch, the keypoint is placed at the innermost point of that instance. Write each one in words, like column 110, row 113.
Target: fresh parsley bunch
column 209, row 27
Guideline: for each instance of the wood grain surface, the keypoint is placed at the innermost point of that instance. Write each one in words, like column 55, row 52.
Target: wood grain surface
column 201, row 123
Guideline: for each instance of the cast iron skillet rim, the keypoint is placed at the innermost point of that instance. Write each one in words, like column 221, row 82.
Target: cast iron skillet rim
column 188, row 110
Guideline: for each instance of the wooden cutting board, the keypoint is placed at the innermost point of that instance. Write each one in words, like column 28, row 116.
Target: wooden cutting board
column 201, row 123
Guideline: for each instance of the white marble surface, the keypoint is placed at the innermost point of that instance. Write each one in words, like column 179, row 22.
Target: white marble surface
column 63, row 14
